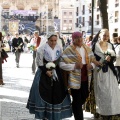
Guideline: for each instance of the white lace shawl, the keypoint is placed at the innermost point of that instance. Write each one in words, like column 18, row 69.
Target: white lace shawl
column 47, row 53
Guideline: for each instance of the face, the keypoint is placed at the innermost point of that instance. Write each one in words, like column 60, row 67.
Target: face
column 78, row 41
column 52, row 41
column 104, row 36
column 36, row 35
column 16, row 35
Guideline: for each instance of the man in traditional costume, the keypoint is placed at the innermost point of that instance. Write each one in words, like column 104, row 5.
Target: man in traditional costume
column 35, row 42
column 78, row 60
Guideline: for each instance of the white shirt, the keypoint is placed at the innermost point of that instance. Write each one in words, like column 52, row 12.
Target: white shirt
column 70, row 67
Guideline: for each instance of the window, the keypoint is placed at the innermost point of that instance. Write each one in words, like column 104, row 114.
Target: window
column 116, row 14
column 116, row 20
column 90, row 7
column 77, row 10
column 76, row 22
column 90, row 20
column 70, row 21
column 83, row 11
column 98, row 9
column 65, row 21
column 83, row 21
column 116, row 29
column 116, row 3
column 65, row 13
column 97, row 22
column 70, row 13
column 97, row 17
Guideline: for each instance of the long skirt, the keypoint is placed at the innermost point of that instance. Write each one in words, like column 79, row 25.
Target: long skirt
column 46, row 101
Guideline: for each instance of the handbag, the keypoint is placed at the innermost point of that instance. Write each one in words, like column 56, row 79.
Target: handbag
column 4, row 55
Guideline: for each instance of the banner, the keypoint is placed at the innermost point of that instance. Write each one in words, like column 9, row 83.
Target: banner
column 26, row 25
column 13, row 26
column 23, row 12
column 57, row 25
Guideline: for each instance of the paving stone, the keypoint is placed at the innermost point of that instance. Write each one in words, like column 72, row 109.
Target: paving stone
column 14, row 94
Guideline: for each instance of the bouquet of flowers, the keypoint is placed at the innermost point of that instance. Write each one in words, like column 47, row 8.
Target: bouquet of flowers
column 51, row 66
column 18, row 47
column 110, row 53
column 31, row 47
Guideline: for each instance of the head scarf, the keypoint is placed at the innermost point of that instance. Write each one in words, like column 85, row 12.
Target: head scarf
column 51, row 34
column 76, row 35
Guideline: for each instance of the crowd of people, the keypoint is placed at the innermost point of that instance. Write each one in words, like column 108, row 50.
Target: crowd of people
column 73, row 74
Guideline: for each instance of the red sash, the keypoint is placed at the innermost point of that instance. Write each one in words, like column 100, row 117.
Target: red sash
column 84, row 74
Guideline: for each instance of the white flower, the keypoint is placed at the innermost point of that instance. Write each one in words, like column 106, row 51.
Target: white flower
column 50, row 65
column 111, row 52
column 28, row 45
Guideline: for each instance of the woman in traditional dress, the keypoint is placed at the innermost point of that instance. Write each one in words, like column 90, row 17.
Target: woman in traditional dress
column 48, row 97
column 107, row 93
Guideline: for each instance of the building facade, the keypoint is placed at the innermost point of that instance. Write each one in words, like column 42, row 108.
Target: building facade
column 29, row 15
column 84, row 16
column 66, row 15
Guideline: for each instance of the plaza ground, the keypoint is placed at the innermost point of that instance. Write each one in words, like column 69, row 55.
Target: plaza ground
column 15, row 92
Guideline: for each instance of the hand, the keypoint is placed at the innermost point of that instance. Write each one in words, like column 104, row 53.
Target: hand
column 78, row 65
column 16, row 48
column 49, row 73
column 97, row 63
column 108, row 58
column 19, row 47
column 89, row 67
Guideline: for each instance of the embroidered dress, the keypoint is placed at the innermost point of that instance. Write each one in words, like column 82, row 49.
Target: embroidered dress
column 46, row 100
column 107, row 93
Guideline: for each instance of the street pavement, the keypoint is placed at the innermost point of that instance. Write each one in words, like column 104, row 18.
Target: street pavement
column 15, row 92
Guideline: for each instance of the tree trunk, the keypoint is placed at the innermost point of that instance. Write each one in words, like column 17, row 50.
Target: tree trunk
column 104, row 14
